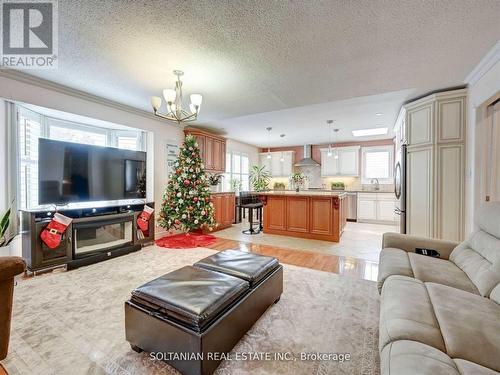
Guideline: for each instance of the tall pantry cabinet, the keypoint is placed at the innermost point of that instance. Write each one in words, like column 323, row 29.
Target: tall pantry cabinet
column 434, row 129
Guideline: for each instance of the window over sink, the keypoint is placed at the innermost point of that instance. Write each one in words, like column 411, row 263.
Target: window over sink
column 378, row 162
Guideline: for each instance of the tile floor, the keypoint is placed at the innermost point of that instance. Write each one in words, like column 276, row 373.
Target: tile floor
column 359, row 240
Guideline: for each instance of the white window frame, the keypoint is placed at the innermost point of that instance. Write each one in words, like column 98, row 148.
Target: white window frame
column 111, row 140
column 232, row 174
column 386, row 148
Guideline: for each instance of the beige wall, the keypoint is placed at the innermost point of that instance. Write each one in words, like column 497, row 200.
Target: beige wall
column 251, row 151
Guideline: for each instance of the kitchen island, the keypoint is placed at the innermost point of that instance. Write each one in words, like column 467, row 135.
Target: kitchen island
column 319, row 215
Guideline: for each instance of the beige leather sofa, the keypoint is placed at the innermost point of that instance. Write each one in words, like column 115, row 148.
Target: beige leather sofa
column 442, row 315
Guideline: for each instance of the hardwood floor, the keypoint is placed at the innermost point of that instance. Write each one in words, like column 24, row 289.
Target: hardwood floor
column 343, row 265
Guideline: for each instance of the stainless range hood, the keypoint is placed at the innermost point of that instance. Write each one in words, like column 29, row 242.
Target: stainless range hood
column 307, row 161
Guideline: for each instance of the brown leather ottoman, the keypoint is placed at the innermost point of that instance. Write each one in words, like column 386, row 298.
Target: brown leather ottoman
column 194, row 315
column 247, row 266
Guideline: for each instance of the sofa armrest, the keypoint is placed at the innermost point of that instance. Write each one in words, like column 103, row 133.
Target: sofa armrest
column 10, row 267
column 410, row 243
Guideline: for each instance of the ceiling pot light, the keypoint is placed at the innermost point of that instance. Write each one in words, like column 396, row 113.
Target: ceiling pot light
column 173, row 100
column 368, row 132
column 378, row 114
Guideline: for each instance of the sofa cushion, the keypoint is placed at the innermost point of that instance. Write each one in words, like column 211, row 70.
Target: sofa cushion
column 495, row 294
column 406, row 357
column 440, row 271
column 471, row 368
column 393, row 262
column 487, row 218
column 479, row 258
column 469, row 324
column 406, row 313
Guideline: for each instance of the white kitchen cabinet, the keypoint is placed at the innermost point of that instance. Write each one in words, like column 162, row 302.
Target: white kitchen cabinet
column 367, row 208
column 265, row 162
column 328, row 164
column 377, row 207
column 435, row 178
column 287, row 164
column 385, row 210
column 347, row 163
column 275, row 166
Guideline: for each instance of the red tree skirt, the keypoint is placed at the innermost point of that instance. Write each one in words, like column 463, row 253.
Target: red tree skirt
column 186, row 241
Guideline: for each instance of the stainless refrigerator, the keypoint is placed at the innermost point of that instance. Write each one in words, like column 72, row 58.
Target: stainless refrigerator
column 400, row 186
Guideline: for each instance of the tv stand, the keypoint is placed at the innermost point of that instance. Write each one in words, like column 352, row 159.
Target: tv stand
column 96, row 234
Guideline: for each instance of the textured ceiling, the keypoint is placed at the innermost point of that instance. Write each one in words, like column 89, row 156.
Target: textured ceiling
column 249, row 57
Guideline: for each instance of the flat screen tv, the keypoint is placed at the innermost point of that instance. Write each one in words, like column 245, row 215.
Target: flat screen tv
column 73, row 172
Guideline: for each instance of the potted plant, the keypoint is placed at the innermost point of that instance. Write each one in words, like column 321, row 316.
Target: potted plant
column 298, row 180
column 337, row 185
column 259, row 178
column 235, row 185
column 279, row 186
column 4, row 227
column 214, row 181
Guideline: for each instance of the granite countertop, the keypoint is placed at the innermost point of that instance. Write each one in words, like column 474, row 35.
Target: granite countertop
column 320, row 193
column 370, row 191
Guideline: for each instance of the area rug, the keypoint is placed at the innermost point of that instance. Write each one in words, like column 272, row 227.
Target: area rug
column 186, row 240
column 73, row 322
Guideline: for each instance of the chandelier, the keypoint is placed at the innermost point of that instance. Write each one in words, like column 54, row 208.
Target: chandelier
column 173, row 99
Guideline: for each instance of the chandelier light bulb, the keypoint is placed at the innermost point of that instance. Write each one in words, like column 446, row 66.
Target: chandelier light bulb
column 196, row 99
column 329, row 154
column 269, row 155
column 169, row 95
column 155, row 102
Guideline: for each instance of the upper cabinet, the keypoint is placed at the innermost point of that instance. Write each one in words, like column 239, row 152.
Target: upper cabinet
column 280, row 164
column 420, row 124
column 344, row 161
column 212, row 149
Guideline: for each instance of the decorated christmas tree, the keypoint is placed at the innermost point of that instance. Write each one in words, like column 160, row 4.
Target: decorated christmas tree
column 186, row 201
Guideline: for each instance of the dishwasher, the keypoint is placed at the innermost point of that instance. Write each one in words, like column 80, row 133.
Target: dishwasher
column 352, row 206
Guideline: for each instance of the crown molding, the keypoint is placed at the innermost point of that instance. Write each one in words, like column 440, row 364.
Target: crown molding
column 486, row 63
column 49, row 85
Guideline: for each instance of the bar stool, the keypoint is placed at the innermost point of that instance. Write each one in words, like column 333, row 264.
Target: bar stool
column 251, row 207
column 249, row 201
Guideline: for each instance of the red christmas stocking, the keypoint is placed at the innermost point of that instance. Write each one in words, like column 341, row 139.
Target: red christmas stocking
column 143, row 219
column 53, row 232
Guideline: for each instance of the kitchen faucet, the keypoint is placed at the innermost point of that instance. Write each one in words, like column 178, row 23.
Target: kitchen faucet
column 374, row 181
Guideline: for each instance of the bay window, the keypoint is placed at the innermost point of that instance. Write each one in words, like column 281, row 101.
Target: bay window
column 31, row 126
